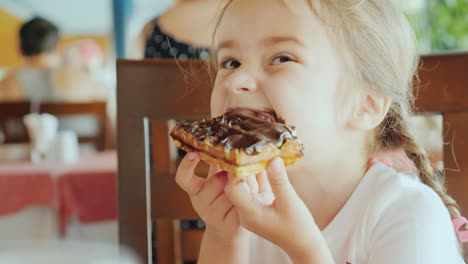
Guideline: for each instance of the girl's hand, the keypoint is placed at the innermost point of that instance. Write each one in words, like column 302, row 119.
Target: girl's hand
column 286, row 221
column 209, row 200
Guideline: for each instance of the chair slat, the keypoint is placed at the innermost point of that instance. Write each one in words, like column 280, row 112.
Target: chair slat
column 456, row 157
column 134, row 220
column 168, row 200
column 161, row 90
column 444, row 84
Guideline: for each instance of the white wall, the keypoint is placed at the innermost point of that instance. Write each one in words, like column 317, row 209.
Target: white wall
column 83, row 16
column 95, row 16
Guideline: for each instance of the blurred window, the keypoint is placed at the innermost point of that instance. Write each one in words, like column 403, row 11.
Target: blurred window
column 440, row 25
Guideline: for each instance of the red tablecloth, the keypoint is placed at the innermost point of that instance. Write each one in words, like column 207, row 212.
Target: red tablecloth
column 87, row 189
column 23, row 184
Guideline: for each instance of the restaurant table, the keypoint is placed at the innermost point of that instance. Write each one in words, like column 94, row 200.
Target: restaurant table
column 54, row 200
column 88, row 198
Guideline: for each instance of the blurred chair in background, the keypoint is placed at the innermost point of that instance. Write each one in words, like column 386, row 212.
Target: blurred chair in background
column 10, row 111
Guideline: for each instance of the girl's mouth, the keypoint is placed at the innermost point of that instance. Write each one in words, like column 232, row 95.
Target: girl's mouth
column 268, row 114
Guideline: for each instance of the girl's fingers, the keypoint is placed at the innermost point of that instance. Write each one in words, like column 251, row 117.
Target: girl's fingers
column 238, row 191
column 252, row 183
column 264, row 191
column 267, row 198
column 212, row 171
column 279, row 181
column 213, row 188
column 222, row 205
column 263, row 184
column 185, row 176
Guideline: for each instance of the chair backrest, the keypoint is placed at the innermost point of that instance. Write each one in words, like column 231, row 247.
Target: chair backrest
column 149, row 93
column 443, row 89
column 152, row 92
column 16, row 110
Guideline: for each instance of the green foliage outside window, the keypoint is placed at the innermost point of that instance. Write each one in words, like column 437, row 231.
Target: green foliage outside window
column 440, row 25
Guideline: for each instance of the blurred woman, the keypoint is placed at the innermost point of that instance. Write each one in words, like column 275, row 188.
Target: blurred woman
column 184, row 31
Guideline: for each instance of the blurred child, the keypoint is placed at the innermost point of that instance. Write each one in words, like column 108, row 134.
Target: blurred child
column 38, row 46
column 43, row 77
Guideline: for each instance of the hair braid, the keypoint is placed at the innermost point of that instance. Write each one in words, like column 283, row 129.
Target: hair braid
column 393, row 133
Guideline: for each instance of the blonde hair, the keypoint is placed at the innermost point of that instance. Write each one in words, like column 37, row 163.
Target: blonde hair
column 382, row 54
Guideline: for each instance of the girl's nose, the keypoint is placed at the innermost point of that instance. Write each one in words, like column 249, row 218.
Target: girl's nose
column 241, row 81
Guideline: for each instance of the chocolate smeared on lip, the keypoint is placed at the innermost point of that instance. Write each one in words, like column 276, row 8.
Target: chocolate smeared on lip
column 268, row 113
column 275, row 116
column 241, row 128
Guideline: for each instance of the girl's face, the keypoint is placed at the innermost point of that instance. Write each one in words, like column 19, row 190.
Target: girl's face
column 278, row 56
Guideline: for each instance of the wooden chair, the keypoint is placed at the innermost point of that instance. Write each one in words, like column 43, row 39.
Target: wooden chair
column 16, row 111
column 152, row 92
column 149, row 93
column 443, row 89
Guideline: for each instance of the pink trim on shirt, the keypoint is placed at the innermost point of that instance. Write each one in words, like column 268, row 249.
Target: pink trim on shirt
column 395, row 160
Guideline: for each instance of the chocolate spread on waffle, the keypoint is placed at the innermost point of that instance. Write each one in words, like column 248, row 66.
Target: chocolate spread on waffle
column 241, row 129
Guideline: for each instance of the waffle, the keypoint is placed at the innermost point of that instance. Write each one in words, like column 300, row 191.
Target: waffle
column 240, row 141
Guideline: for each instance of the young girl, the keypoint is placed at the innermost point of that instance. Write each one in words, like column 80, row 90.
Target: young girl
column 341, row 72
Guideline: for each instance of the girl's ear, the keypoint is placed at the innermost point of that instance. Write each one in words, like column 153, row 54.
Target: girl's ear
column 370, row 111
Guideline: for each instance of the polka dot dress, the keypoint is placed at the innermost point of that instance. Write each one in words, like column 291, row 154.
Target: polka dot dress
column 160, row 45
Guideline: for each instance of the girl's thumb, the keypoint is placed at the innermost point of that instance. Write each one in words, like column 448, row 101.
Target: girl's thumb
column 279, row 180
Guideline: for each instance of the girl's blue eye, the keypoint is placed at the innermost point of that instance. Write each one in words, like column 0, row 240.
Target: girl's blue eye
column 230, row 64
column 281, row 59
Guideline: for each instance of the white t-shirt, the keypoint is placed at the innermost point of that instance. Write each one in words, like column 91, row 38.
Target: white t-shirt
column 390, row 218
